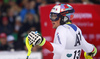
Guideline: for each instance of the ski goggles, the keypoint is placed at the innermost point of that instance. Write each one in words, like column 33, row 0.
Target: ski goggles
column 54, row 16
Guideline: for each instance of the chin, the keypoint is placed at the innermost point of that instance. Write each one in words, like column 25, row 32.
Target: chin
column 54, row 27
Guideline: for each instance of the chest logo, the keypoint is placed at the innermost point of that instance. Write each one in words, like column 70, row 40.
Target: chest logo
column 69, row 55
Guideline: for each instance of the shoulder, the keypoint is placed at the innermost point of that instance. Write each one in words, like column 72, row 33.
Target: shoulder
column 61, row 28
column 62, row 31
column 74, row 27
column 77, row 27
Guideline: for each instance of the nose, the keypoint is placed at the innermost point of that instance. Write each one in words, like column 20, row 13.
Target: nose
column 52, row 21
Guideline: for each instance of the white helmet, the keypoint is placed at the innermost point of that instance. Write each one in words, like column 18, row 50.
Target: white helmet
column 64, row 11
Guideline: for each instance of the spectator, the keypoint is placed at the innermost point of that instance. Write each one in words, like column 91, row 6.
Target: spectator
column 0, row 18
column 71, row 1
column 17, row 27
column 86, row 2
column 57, row 1
column 17, row 24
column 1, row 3
column 38, row 3
column 36, row 48
column 32, row 4
column 10, row 41
column 18, row 40
column 74, row 1
column 6, row 27
column 11, row 17
column 29, row 22
column 7, row 4
column 16, row 9
column 26, row 10
column 24, row 2
column 44, row 2
column 26, row 33
column 2, row 10
column 18, row 2
column 11, row 2
column 3, row 42
column 95, row 1
column 4, row 7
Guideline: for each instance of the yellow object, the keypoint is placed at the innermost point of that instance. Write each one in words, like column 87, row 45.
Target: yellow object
column 43, row 42
column 68, row 23
column 95, row 51
column 87, row 56
column 29, row 47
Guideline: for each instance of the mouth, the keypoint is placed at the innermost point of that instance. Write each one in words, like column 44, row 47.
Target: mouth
column 53, row 23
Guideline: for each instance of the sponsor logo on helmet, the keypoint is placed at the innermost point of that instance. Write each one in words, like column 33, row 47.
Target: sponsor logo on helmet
column 54, row 9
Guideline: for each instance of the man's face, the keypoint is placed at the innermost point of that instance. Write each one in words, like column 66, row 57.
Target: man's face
column 3, row 41
column 56, row 23
column 5, row 22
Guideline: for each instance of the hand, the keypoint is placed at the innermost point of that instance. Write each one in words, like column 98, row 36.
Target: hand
column 91, row 54
column 34, row 38
column 87, row 56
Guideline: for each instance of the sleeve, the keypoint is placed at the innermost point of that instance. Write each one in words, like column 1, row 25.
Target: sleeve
column 53, row 47
column 61, row 35
column 87, row 47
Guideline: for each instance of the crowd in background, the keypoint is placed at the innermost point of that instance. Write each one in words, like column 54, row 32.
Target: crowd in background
column 19, row 17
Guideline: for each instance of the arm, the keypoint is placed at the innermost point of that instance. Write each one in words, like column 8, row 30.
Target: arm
column 55, row 48
column 90, row 50
column 60, row 37
column 87, row 47
column 36, row 39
